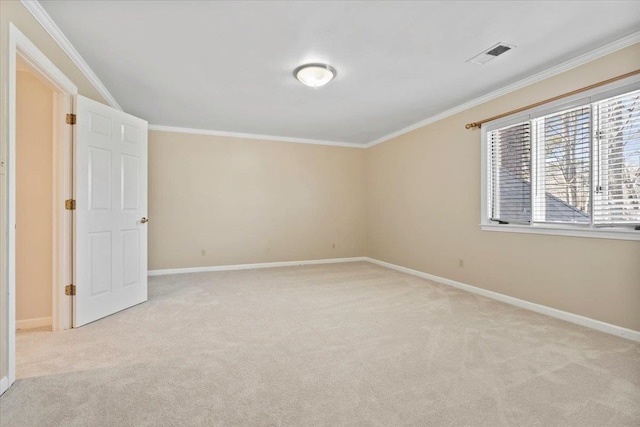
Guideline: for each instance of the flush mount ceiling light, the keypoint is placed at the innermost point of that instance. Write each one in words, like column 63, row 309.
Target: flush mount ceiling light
column 315, row 75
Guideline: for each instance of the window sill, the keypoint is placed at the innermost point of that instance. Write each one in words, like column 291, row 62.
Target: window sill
column 564, row 231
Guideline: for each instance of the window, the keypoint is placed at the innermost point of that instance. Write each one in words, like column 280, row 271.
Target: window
column 571, row 169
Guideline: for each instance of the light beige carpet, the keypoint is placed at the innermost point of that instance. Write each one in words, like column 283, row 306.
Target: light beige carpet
column 331, row 345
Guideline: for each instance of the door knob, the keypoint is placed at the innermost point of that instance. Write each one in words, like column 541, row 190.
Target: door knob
column 143, row 220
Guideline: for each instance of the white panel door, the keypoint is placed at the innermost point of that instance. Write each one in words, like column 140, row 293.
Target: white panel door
column 110, row 251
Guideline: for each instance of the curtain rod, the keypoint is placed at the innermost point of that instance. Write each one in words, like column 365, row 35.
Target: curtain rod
column 555, row 98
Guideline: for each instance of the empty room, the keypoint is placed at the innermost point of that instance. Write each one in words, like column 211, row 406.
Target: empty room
column 319, row 213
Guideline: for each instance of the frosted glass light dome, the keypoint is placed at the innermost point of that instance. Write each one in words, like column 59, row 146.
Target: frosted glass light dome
column 315, row 75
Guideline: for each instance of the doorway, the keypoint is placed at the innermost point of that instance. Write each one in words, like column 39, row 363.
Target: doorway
column 98, row 207
column 34, row 200
column 27, row 63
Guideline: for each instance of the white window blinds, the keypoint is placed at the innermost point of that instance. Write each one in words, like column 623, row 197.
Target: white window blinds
column 617, row 164
column 563, row 175
column 511, row 173
column 577, row 166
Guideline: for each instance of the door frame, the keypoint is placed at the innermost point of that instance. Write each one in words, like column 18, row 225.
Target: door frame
column 64, row 98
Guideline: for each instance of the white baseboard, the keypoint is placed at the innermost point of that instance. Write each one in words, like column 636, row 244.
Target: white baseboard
column 588, row 322
column 252, row 266
column 538, row 308
column 38, row 322
column 4, row 384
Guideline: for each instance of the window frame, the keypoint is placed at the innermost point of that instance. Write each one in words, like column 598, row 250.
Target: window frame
column 558, row 229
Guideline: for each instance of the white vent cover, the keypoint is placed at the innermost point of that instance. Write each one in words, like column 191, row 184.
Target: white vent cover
column 491, row 53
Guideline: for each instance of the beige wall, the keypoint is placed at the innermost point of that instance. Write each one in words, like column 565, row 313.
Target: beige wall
column 13, row 11
column 424, row 213
column 250, row 201
column 34, row 197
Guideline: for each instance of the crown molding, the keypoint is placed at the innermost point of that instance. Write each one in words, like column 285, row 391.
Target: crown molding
column 47, row 23
column 161, row 128
column 607, row 49
column 54, row 31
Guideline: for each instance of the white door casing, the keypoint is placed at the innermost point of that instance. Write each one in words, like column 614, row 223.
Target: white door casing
column 20, row 46
column 110, row 262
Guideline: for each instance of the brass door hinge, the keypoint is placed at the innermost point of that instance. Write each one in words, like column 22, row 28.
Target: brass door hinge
column 70, row 204
column 71, row 119
column 70, row 290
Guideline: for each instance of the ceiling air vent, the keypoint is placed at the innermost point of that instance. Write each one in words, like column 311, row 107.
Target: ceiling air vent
column 491, row 53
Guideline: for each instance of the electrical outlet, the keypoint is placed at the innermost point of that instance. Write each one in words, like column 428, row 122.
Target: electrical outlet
column 333, row 246
column 203, row 252
column 461, row 263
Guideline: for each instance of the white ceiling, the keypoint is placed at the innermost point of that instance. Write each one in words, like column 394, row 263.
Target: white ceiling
column 227, row 66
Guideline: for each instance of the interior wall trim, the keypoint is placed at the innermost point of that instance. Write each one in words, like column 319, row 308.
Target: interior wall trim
column 54, row 31
column 4, row 384
column 592, row 55
column 577, row 319
column 252, row 266
column 176, row 129
column 50, row 26
column 37, row 322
